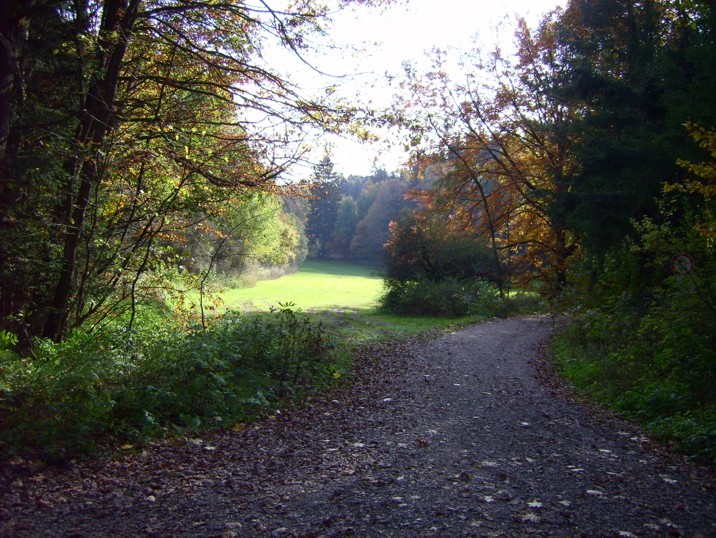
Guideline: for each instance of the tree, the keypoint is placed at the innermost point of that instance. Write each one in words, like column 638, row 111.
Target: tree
column 635, row 71
column 151, row 120
column 373, row 230
column 700, row 185
column 325, row 199
column 423, row 246
column 251, row 234
column 502, row 139
column 345, row 226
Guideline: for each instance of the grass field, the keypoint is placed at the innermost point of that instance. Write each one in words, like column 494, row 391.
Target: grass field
column 343, row 296
column 319, row 285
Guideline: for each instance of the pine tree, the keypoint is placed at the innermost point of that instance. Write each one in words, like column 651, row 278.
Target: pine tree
column 325, row 199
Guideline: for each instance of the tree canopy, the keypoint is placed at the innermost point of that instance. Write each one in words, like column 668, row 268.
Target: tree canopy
column 584, row 164
column 558, row 150
column 122, row 124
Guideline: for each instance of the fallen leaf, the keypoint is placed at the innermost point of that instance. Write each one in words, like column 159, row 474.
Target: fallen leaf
column 464, row 476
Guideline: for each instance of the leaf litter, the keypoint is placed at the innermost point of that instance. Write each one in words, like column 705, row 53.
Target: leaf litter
column 396, row 451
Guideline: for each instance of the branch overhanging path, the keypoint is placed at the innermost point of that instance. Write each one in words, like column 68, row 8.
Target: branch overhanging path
column 453, row 437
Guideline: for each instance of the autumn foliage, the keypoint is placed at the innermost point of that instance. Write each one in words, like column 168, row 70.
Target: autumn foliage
column 583, row 163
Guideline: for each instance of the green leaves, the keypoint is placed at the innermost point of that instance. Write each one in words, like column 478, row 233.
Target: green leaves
column 115, row 388
column 8, row 340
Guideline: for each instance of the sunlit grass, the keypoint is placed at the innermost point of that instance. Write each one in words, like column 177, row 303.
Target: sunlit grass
column 318, row 285
column 343, row 296
column 369, row 325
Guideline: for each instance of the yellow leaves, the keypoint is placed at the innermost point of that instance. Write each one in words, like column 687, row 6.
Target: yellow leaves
column 704, row 183
column 703, row 137
column 239, row 427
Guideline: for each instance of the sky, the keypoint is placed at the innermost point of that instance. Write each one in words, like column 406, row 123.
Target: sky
column 372, row 42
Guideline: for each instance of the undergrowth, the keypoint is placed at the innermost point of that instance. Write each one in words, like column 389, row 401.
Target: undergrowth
column 453, row 298
column 112, row 388
column 663, row 402
column 647, row 350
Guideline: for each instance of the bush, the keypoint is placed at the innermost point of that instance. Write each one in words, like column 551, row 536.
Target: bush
column 446, row 298
column 692, row 433
column 422, row 248
column 642, row 338
column 109, row 388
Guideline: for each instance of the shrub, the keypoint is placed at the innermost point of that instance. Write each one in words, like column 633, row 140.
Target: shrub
column 645, row 345
column 423, row 248
column 114, row 387
column 446, row 298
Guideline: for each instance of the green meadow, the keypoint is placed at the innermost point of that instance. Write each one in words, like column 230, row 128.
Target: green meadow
column 319, row 285
column 342, row 296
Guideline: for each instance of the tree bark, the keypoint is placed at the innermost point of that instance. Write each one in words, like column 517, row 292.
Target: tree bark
column 97, row 120
column 14, row 22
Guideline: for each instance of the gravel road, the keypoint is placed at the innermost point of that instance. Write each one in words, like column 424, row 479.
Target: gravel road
column 460, row 436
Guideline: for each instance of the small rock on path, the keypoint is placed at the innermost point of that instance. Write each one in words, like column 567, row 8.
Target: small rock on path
column 455, row 437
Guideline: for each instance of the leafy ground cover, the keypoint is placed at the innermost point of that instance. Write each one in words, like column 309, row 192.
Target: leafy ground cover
column 119, row 387
column 116, row 387
column 647, row 351
column 452, row 437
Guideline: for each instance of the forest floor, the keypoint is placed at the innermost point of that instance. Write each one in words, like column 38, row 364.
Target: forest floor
column 466, row 435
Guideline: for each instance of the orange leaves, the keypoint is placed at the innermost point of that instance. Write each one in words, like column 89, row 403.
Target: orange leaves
column 501, row 148
column 206, row 228
column 171, row 237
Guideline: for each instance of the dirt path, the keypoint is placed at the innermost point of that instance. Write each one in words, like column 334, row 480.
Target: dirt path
column 451, row 438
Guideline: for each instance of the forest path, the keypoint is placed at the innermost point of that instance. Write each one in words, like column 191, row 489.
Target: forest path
column 454, row 437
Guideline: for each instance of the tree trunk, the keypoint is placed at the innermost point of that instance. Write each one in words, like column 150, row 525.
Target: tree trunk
column 97, row 120
column 14, row 22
